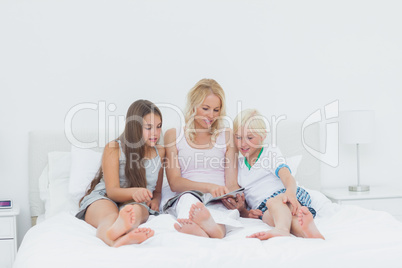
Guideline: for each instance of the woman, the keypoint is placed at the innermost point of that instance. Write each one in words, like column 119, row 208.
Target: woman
column 202, row 159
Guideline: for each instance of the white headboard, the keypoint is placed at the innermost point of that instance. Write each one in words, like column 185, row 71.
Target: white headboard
column 40, row 144
column 288, row 140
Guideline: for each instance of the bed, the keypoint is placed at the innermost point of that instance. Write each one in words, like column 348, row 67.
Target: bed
column 355, row 237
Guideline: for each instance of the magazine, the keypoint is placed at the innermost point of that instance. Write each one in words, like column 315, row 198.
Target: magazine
column 204, row 198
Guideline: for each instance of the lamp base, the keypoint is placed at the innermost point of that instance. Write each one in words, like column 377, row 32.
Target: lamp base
column 359, row 188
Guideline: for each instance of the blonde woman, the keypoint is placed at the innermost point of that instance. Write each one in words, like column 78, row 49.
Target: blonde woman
column 201, row 156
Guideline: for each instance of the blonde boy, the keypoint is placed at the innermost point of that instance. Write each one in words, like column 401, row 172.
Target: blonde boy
column 270, row 189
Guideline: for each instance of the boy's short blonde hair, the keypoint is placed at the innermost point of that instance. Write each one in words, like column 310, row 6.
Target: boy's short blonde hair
column 252, row 120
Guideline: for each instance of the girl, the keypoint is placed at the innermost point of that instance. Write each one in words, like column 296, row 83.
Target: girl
column 130, row 176
column 202, row 157
column 270, row 189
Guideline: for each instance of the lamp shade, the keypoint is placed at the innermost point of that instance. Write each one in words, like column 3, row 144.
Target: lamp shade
column 356, row 126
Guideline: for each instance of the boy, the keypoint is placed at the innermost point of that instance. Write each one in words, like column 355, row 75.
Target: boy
column 270, row 189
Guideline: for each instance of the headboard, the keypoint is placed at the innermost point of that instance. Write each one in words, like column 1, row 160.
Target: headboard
column 40, row 144
column 288, row 139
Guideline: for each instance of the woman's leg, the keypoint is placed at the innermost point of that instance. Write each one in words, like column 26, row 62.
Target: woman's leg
column 201, row 216
column 186, row 208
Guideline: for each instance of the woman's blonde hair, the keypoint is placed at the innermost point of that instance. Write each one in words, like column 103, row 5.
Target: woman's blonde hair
column 252, row 120
column 196, row 97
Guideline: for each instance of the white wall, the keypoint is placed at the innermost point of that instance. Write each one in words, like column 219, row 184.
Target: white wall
column 282, row 57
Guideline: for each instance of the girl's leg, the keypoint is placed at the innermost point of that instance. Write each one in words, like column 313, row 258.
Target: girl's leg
column 135, row 235
column 130, row 217
column 278, row 216
column 101, row 214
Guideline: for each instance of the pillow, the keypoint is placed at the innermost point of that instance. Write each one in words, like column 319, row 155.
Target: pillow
column 44, row 184
column 58, row 199
column 293, row 163
column 85, row 164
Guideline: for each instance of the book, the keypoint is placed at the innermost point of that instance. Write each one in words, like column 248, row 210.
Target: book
column 204, row 198
column 225, row 196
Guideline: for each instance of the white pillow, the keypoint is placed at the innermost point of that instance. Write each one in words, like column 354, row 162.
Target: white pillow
column 85, row 164
column 44, row 184
column 58, row 198
column 293, row 163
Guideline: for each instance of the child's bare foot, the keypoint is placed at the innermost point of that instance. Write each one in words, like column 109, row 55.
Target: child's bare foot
column 186, row 226
column 123, row 223
column 269, row 234
column 307, row 224
column 201, row 216
column 136, row 236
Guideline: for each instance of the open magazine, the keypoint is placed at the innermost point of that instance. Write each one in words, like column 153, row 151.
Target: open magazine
column 204, row 198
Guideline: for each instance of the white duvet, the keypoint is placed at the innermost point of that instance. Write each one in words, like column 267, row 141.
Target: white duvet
column 355, row 237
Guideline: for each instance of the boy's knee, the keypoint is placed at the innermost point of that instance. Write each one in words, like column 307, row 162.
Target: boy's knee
column 274, row 200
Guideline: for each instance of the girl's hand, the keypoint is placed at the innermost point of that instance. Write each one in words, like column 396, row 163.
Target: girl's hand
column 255, row 213
column 142, row 195
column 292, row 200
column 217, row 190
column 154, row 204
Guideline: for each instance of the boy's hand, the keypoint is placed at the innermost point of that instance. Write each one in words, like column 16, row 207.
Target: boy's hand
column 142, row 195
column 254, row 213
column 292, row 200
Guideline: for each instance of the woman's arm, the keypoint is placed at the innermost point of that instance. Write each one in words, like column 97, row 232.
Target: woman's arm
column 176, row 182
column 157, row 194
column 231, row 162
column 110, row 168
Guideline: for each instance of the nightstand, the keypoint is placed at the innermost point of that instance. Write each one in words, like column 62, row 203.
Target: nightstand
column 8, row 236
column 378, row 198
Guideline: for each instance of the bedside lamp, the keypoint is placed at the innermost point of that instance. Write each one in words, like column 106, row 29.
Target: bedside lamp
column 357, row 127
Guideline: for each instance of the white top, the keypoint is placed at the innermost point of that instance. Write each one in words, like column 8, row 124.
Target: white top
column 261, row 181
column 202, row 165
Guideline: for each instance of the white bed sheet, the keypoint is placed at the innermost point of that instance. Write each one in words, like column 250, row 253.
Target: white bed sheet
column 355, row 237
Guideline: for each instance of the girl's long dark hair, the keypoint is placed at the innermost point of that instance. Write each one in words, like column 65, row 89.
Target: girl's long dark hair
column 133, row 145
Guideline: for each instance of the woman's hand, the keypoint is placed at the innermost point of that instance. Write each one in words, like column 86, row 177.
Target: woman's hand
column 217, row 190
column 238, row 203
column 292, row 200
column 142, row 195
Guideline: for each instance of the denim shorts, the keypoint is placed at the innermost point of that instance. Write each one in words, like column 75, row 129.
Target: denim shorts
column 302, row 196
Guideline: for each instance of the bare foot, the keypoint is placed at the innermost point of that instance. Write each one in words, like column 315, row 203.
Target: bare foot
column 187, row 226
column 123, row 223
column 201, row 216
column 136, row 236
column 307, row 224
column 269, row 234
